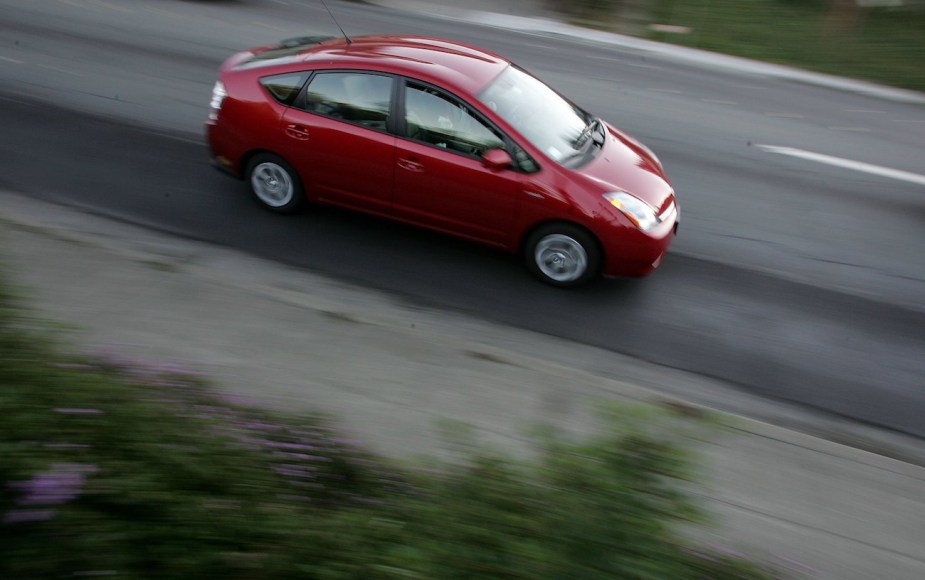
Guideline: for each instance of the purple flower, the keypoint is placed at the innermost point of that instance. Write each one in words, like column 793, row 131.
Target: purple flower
column 301, row 456
column 260, row 426
column 293, row 471
column 59, row 485
column 211, row 409
column 239, row 400
column 71, row 366
column 290, row 446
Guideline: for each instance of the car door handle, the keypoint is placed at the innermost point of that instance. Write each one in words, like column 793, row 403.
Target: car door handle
column 297, row 132
column 410, row 165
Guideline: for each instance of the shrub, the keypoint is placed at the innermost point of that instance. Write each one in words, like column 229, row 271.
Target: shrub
column 139, row 471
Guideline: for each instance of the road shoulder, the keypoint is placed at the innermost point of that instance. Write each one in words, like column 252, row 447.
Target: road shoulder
column 393, row 372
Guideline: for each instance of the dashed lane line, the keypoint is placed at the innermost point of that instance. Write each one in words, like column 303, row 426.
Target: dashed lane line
column 846, row 163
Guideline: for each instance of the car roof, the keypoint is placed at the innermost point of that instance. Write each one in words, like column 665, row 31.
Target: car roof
column 440, row 61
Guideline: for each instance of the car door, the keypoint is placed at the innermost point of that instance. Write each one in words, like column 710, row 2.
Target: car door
column 441, row 180
column 338, row 139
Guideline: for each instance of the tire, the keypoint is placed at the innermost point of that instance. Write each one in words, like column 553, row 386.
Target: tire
column 275, row 184
column 563, row 255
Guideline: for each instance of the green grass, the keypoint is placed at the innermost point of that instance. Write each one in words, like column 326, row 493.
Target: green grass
column 883, row 45
column 880, row 45
column 132, row 470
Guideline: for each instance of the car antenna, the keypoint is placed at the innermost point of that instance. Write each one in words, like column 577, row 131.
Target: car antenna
column 331, row 14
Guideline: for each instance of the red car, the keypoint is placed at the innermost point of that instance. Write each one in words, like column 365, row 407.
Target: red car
column 446, row 136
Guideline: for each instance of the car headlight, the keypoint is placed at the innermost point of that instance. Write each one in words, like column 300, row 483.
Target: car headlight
column 638, row 211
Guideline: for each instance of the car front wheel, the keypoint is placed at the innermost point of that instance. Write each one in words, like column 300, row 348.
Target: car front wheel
column 563, row 255
column 275, row 184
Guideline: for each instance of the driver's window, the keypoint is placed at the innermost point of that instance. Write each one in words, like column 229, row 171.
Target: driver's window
column 435, row 118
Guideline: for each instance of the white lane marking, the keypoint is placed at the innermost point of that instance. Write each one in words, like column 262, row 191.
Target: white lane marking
column 719, row 102
column 847, row 163
column 12, row 60
column 868, row 111
column 785, row 115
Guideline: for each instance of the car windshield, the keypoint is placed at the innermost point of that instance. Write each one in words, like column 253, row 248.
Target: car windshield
column 549, row 122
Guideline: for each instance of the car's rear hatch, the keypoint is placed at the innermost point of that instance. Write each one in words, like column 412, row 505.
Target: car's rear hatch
column 277, row 53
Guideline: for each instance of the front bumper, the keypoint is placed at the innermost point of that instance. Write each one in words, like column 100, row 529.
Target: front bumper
column 633, row 253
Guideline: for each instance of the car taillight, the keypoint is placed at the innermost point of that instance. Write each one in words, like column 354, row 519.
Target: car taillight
column 218, row 95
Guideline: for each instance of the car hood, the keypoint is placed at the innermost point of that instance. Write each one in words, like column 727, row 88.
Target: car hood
column 623, row 164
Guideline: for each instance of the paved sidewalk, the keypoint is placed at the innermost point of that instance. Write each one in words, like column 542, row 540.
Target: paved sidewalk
column 392, row 371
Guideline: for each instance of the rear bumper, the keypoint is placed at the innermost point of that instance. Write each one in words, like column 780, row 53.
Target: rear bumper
column 217, row 158
column 222, row 167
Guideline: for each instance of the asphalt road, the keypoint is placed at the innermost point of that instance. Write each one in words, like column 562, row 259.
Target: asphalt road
column 798, row 280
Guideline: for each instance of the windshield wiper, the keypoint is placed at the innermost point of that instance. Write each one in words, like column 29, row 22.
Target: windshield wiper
column 587, row 131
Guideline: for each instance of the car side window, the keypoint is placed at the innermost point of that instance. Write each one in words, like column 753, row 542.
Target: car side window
column 436, row 118
column 355, row 97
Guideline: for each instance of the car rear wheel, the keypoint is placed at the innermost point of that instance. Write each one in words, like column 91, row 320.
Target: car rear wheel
column 563, row 255
column 275, row 184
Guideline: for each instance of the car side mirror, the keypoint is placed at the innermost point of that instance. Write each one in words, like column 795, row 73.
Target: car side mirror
column 497, row 159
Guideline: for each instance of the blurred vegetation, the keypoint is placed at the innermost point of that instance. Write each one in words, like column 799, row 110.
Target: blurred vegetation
column 118, row 468
column 877, row 40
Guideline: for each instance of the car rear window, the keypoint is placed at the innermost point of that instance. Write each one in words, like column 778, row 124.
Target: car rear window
column 284, row 88
column 355, row 97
